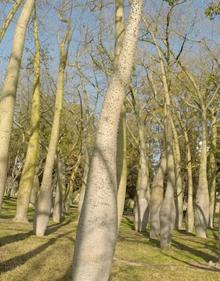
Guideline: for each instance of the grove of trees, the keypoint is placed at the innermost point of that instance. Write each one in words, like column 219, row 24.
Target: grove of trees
column 111, row 108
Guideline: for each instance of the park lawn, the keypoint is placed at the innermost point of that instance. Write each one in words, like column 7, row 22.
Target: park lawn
column 25, row 257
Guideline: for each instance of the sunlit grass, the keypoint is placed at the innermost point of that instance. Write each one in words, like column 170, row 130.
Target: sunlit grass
column 25, row 257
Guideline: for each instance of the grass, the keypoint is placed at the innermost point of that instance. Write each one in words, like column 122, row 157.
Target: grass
column 25, row 257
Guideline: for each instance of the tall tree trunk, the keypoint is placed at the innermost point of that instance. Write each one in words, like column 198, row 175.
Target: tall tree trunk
column 141, row 211
column 58, row 201
column 156, row 199
column 84, row 180
column 44, row 201
column 30, row 164
column 202, row 194
column 122, row 144
column 98, row 219
column 167, row 210
column 212, row 168
column 8, row 94
column 122, row 165
column 179, row 183
column 9, row 18
column 190, row 209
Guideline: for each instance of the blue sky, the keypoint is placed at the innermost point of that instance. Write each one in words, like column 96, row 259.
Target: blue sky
column 85, row 19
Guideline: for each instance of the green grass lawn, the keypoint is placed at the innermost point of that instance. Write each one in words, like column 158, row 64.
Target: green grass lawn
column 25, row 257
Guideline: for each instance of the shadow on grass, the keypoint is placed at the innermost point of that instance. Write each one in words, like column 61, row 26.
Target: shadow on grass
column 14, row 238
column 192, row 265
column 205, row 256
column 129, row 222
column 20, row 260
column 22, row 236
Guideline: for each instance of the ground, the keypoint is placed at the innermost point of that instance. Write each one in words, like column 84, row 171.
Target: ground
column 24, row 257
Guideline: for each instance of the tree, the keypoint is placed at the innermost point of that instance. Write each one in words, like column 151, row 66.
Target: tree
column 8, row 94
column 44, row 201
column 98, row 219
column 31, row 160
column 9, row 18
column 122, row 144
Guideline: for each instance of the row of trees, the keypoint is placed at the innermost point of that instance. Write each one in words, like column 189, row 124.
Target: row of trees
column 155, row 142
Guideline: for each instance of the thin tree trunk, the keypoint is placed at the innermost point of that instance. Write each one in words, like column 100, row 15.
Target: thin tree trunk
column 67, row 198
column 30, row 164
column 190, row 209
column 84, row 180
column 179, row 183
column 212, row 168
column 141, row 211
column 156, row 199
column 202, row 194
column 9, row 18
column 122, row 144
column 44, row 201
column 98, row 219
column 8, row 94
column 167, row 210
column 58, row 201
column 122, row 166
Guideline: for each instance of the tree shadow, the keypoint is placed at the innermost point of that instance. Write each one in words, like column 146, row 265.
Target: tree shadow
column 14, row 238
column 20, row 260
column 22, row 236
column 194, row 265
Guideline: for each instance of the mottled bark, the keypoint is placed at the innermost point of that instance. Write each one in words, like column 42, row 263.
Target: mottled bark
column 156, row 199
column 98, row 219
column 44, row 201
column 122, row 144
column 9, row 90
column 30, row 163
column 9, row 18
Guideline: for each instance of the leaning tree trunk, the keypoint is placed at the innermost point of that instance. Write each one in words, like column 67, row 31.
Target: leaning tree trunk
column 9, row 90
column 44, row 201
column 98, row 219
column 9, row 18
column 212, row 168
column 30, row 164
column 202, row 194
column 141, row 210
column 179, row 183
column 156, row 198
column 122, row 143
